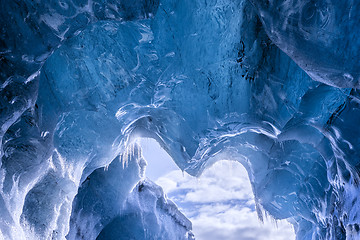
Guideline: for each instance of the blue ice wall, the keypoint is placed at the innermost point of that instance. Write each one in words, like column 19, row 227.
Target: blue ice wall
column 271, row 84
column 320, row 36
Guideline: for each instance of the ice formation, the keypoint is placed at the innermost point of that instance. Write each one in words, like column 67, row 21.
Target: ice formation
column 271, row 84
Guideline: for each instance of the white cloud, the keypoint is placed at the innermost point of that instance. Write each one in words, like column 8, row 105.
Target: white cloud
column 220, row 204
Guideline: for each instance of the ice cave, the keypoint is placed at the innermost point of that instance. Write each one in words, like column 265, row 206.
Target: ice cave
column 270, row 84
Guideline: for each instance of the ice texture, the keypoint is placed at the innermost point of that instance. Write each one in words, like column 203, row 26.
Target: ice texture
column 271, row 84
column 320, row 36
column 148, row 214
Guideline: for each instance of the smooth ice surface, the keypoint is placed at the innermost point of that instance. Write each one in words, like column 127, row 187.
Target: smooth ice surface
column 271, row 84
column 320, row 36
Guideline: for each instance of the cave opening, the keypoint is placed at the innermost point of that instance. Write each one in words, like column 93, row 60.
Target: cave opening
column 220, row 203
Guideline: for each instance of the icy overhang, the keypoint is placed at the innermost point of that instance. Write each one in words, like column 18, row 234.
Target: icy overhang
column 205, row 79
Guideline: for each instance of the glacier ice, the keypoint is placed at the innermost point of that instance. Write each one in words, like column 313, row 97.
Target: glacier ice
column 320, row 36
column 271, row 84
column 151, row 215
column 109, row 206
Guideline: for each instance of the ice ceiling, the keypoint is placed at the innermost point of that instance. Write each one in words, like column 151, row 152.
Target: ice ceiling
column 269, row 83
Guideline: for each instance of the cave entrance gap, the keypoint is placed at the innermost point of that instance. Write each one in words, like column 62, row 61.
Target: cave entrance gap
column 219, row 203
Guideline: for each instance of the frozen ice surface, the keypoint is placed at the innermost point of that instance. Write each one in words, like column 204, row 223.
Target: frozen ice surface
column 270, row 84
column 109, row 206
column 148, row 214
column 320, row 36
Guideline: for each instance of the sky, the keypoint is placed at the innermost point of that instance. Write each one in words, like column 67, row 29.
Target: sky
column 220, row 203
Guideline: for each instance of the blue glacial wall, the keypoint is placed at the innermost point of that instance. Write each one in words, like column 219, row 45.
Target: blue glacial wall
column 320, row 36
column 271, row 84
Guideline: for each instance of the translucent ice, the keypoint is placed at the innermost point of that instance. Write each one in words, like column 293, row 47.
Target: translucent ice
column 271, row 84
column 320, row 36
